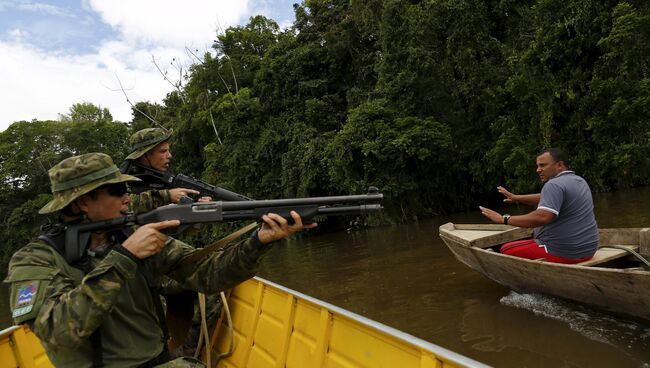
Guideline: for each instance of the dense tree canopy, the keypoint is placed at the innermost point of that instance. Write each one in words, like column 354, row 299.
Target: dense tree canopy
column 435, row 102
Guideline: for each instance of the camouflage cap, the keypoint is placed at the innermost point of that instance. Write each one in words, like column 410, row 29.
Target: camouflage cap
column 146, row 139
column 78, row 175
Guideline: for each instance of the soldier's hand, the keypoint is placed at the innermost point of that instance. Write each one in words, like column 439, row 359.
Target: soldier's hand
column 276, row 227
column 147, row 240
column 176, row 194
column 510, row 197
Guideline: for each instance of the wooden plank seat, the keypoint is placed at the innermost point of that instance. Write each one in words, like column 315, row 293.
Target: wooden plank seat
column 607, row 254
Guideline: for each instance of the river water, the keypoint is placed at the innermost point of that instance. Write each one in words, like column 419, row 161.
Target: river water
column 405, row 277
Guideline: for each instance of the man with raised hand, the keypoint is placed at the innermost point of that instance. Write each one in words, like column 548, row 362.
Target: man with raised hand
column 564, row 221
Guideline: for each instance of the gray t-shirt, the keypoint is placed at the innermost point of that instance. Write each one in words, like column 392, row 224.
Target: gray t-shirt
column 574, row 232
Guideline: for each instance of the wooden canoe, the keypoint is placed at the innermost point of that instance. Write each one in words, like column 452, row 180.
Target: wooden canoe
column 274, row 326
column 613, row 280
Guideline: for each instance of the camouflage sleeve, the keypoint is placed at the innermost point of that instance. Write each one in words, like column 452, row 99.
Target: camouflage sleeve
column 218, row 271
column 149, row 200
column 68, row 312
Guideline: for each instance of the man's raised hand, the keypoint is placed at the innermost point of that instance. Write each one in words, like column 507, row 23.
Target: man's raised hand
column 510, row 197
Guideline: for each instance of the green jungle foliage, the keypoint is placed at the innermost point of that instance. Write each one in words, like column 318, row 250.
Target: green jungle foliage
column 435, row 102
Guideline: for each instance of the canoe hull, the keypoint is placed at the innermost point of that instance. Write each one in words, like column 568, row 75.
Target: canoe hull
column 621, row 291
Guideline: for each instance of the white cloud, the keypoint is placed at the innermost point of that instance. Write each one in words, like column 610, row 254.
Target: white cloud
column 17, row 34
column 37, row 85
column 34, row 6
column 40, row 84
column 175, row 23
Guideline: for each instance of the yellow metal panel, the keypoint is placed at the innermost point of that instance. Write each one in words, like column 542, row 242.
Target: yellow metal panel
column 246, row 292
column 306, row 321
column 429, row 360
column 365, row 347
column 42, row 361
column 270, row 326
column 40, row 357
column 267, row 335
column 273, row 303
column 23, row 348
column 7, row 353
column 259, row 358
column 254, row 318
column 287, row 318
column 302, row 342
column 323, row 333
column 242, row 313
column 239, row 354
column 338, row 361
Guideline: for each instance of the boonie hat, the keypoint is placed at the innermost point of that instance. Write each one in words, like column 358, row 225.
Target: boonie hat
column 146, row 139
column 78, row 175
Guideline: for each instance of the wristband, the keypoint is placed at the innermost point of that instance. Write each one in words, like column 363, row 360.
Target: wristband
column 506, row 217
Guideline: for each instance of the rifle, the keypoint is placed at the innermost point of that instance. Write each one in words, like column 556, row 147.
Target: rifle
column 156, row 179
column 78, row 235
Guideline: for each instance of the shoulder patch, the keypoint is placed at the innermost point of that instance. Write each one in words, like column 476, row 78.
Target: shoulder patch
column 25, row 297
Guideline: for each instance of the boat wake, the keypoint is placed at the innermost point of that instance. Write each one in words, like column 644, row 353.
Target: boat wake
column 590, row 323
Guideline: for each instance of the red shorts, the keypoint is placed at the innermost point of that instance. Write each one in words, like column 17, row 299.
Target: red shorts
column 529, row 249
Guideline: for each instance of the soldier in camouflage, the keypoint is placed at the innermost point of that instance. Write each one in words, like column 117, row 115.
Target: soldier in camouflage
column 97, row 312
column 150, row 147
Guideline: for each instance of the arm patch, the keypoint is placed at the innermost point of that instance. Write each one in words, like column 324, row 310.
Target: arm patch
column 25, row 297
column 28, row 291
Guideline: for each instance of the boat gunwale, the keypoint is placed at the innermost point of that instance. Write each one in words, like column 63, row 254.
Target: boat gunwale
column 7, row 331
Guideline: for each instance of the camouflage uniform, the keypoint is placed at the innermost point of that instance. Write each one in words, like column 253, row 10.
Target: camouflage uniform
column 65, row 305
column 149, row 200
column 144, row 200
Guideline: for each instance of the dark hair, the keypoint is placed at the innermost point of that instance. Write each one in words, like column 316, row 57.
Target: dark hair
column 556, row 154
column 67, row 210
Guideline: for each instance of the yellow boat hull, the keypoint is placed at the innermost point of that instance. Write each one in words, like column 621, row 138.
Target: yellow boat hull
column 274, row 326
column 278, row 327
column 19, row 347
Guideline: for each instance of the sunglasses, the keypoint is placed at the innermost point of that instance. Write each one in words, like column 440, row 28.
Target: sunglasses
column 115, row 190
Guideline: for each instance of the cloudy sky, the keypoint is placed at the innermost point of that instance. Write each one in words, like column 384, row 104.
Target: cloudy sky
column 55, row 53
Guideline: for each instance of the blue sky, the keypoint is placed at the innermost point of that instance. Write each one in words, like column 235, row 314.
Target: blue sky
column 57, row 53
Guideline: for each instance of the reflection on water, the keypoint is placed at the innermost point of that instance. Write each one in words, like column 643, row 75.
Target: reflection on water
column 405, row 277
